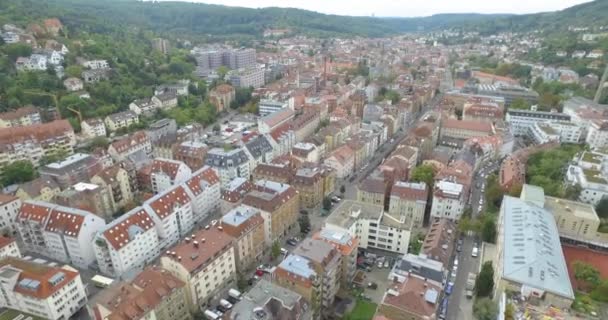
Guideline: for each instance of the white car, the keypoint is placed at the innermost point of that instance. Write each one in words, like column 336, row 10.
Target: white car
column 474, row 253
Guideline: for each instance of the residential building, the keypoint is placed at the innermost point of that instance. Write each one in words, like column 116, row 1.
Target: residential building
column 166, row 173
column 522, row 120
column 271, row 106
column 120, row 120
column 298, row 274
column 269, row 301
column 172, row 213
column 41, row 189
column 305, row 124
column 347, row 245
column 234, row 193
column 553, row 131
column 326, row 261
column 284, row 138
column 272, row 121
column 76, row 168
column 135, row 146
column 371, row 225
column 165, row 101
column 278, row 203
column 597, row 134
column 589, row 174
column 143, row 107
column 309, row 184
column 161, row 45
column 88, row 196
column 342, row 160
column 9, row 248
column 127, row 244
column 449, row 200
column 278, row 172
column 245, row 78
column 96, row 75
column 529, row 257
column 32, row 142
column 372, row 190
column 92, row 128
column 413, row 299
column 408, row 202
column 73, row 84
column 24, row 116
column 9, row 209
column 222, row 96
column 96, row 64
column 205, row 262
column 246, row 226
column 439, row 242
column 192, row 153
column 116, row 180
column 229, row 164
column 62, row 233
column 203, row 187
column 482, row 111
column 152, row 294
column 306, row 152
column 41, row 290
column 259, row 149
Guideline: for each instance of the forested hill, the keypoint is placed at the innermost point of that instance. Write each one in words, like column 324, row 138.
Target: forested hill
column 200, row 20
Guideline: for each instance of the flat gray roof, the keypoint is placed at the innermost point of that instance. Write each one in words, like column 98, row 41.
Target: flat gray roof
column 349, row 211
column 532, row 253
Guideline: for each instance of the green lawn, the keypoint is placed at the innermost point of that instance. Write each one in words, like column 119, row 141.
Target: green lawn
column 364, row 310
column 12, row 314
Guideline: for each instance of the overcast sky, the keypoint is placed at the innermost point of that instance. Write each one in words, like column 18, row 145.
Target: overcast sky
column 405, row 8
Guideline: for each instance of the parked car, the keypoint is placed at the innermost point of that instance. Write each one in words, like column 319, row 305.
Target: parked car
column 380, row 264
column 386, row 264
column 292, row 242
column 475, row 252
column 448, row 289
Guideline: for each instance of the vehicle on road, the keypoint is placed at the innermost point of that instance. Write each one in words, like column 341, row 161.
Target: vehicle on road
column 474, row 252
column 372, row 285
column 211, row 315
column 101, row 281
column 459, row 248
column 470, row 285
column 386, row 264
column 292, row 242
column 448, row 288
column 284, row 251
column 235, row 294
column 224, row 303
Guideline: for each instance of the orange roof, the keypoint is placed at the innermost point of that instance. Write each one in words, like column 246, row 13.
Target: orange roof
column 163, row 204
column 5, row 241
column 200, row 250
column 5, row 198
column 40, row 273
column 118, row 232
column 409, row 298
column 38, row 132
column 467, row 125
column 168, row 167
column 18, row 113
column 65, row 222
column 204, row 175
column 343, row 154
column 126, row 143
column 279, row 131
column 34, row 211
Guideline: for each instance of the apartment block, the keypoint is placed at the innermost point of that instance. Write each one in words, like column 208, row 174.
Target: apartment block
column 267, row 300
column 172, row 214
column 127, row 244
column 152, row 294
column 88, row 196
column 9, row 209
column 21, row 117
column 205, row 262
column 61, row 233
column 298, row 274
column 309, row 184
column 448, row 200
column 9, row 247
column 439, row 241
column 166, row 173
column 203, row 187
column 41, row 290
column 229, row 164
column 32, row 142
column 347, row 245
column 408, row 202
column 116, row 180
column 278, row 203
column 246, row 226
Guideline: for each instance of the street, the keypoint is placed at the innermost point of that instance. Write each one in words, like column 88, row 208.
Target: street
column 459, row 306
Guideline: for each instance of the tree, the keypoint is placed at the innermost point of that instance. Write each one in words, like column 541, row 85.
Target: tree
column 586, row 274
column 326, row 203
column 484, row 284
column 485, row 309
column 342, row 189
column 519, row 103
column 16, row 50
column 73, row 71
column 276, row 250
column 222, row 71
column 18, row 172
column 216, row 128
column 424, row 173
column 602, row 208
column 416, row 243
column 304, row 222
column 488, row 229
column 99, row 142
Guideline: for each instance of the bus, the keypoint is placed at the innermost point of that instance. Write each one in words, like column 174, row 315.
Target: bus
column 101, row 281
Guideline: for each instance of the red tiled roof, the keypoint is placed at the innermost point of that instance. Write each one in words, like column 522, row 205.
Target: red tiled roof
column 126, row 143
column 67, row 223
column 168, row 167
column 163, row 204
column 34, row 212
column 467, row 125
column 409, row 297
column 39, row 132
column 5, row 241
column 5, row 198
column 267, row 201
column 118, row 233
column 18, row 113
column 404, row 192
column 205, row 174
column 279, row 131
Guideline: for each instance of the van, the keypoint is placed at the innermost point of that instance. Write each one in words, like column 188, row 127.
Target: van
column 211, row 315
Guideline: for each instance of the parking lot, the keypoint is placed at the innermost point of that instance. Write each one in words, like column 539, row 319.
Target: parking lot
column 380, row 277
